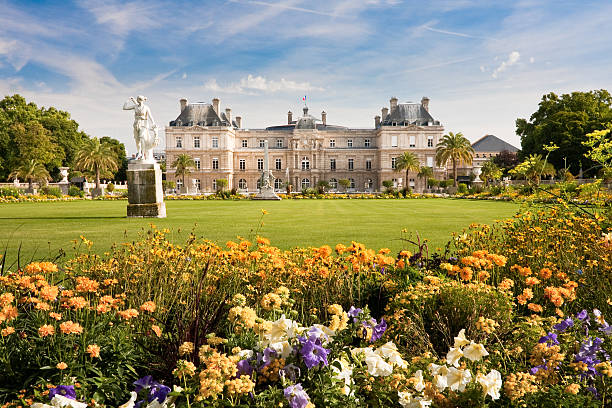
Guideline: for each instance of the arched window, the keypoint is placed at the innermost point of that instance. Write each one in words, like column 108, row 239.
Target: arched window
column 305, row 183
column 242, row 184
column 352, row 183
column 278, row 183
column 333, row 184
column 305, row 163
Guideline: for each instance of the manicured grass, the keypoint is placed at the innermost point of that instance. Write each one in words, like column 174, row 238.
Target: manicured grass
column 43, row 229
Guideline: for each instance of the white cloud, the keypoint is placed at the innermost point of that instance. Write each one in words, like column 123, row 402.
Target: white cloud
column 258, row 84
column 121, row 18
column 184, row 76
column 512, row 59
column 531, row 60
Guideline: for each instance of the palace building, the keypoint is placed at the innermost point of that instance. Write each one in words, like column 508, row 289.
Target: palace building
column 304, row 151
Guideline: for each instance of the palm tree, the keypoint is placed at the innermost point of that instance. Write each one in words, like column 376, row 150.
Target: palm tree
column 31, row 171
column 426, row 173
column 98, row 158
column 455, row 147
column 409, row 162
column 182, row 165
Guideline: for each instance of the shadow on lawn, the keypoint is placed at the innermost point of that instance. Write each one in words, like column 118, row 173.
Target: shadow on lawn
column 63, row 218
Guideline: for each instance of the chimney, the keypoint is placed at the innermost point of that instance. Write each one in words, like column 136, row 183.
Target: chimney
column 376, row 121
column 183, row 102
column 425, row 103
column 324, row 118
column 385, row 112
column 228, row 114
column 216, row 106
column 239, row 122
column 393, row 103
column 289, row 117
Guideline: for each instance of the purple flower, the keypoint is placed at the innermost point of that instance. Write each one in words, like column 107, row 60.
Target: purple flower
column 244, row 368
column 583, row 315
column 313, row 353
column 535, row 369
column 378, row 330
column 156, row 390
column 268, row 355
column 296, row 396
column 564, row 325
column 290, row 371
column 64, row 390
column 144, row 382
column 353, row 311
column 549, row 339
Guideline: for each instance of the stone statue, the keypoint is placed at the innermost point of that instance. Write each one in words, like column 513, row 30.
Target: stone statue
column 266, row 191
column 143, row 125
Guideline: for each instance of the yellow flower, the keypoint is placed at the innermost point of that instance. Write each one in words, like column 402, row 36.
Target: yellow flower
column 186, row 348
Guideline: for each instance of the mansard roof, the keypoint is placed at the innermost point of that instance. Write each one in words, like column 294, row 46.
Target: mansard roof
column 409, row 114
column 492, row 143
column 306, row 122
column 202, row 114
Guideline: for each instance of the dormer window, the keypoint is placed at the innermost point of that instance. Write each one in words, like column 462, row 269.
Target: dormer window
column 349, row 143
column 262, row 143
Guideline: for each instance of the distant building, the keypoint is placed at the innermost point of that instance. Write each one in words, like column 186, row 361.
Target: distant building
column 304, row 151
column 489, row 146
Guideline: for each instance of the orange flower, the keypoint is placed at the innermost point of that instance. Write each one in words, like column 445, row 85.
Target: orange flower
column 48, row 267
column 85, row 284
column 6, row 299
column 7, row 331
column 49, row 293
column 532, row 280
column 148, row 306
column 528, row 293
column 93, row 350
column 56, row 316
column 128, row 314
column 77, row 302
column 8, row 313
column 545, row 273
column 466, row 273
column 61, row 366
column 103, row 308
column 70, row 327
column 535, row 307
column 506, row 284
column 521, row 299
column 42, row 306
column 156, row 330
column 263, row 241
column 46, row 330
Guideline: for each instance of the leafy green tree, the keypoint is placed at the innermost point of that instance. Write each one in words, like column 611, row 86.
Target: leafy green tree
column 345, row 183
column 221, row 184
column 31, row 171
column 183, row 165
column 120, row 157
column 407, row 162
column 388, row 185
column 97, row 158
column 565, row 121
column 490, row 171
column 322, row 186
column 33, row 141
column 454, row 147
column 533, row 168
column 506, row 160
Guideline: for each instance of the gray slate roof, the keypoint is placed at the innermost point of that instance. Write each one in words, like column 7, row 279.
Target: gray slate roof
column 492, row 143
column 306, row 122
column 408, row 114
column 202, row 114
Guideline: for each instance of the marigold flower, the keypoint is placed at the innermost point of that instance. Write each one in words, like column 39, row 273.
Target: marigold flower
column 535, row 307
column 61, row 366
column 6, row 299
column 69, row 327
column 271, row 301
column 506, row 284
column 156, row 329
column 85, row 284
column 8, row 313
column 263, row 241
column 49, row 293
column 46, row 330
column 48, row 267
column 56, row 316
column 7, row 331
column 532, row 280
column 93, row 350
column 148, row 306
column 545, row 273
column 466, row 273
column 103, row 308
column 42, row 306
column 572, row 389
column 128, row 314
column 77, row 302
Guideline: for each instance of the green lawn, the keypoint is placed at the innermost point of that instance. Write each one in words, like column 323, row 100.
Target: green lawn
column 42, row 229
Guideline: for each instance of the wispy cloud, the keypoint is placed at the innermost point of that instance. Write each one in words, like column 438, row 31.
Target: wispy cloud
column 456, row 34
column 285, row 6
column 123, row 17
column 513, row 58
column 259, row 84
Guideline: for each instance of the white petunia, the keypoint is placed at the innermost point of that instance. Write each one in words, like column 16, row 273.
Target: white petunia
column 363, row 352
column 419, row 385
column 343, row 374
column 491, row 383
column 439, row 373
column 457, row 379
column 460, row 340
column 130, row 403
column 283, row 348
column 406, row 400
column 377, row 366
column 453, row 356
column 282, row 329
column 389, row 352
column 475, row 351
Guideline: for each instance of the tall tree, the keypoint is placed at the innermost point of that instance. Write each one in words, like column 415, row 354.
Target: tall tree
column 565, row 121
column 490, row 171
column 97, row 158
column 34, row 142
column 506, row 160
column 454, row 147
column 533, row 168
column 407, row 162
column 120, row 157
column 31, row 171
column 183, row 165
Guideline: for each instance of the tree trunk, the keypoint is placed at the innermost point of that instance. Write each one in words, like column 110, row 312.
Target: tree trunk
column 30, row 185
column 406, row 181
column 97, row 178
column 455, row 172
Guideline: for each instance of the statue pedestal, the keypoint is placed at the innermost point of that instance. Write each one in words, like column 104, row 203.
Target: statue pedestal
column 266, row 194
column 145, row 193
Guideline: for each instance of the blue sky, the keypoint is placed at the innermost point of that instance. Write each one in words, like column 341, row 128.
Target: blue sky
column 482, row 63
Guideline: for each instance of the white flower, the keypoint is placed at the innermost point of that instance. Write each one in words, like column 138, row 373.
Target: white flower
column 439, row 373
column 343, row 374
column 406, row 400
column 389, row 352
column 419, row 385
column 475, row 351
column 458, row 379
column 491, row 383
column 130, row 403
column 460, row 340
column 282, row 329
column 453, row 356
column 377, row 367
column 322, row 332
column 245, row 354
column 60, row 401
column 365, row 351
column 283, row 348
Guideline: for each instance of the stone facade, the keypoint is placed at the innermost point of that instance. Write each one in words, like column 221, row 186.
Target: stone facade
column 304, row 151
